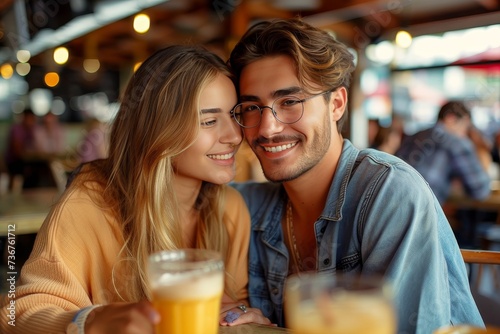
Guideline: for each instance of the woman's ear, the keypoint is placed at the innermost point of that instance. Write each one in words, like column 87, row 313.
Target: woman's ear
column 338, row 103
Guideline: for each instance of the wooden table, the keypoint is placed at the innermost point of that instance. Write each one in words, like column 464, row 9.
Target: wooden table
column 24, row 213
column 252, row 329
column 459, row 201
column 478, row 208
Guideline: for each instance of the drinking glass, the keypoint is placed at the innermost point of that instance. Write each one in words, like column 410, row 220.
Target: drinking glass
column 317, row 303
column 187, row 287
column 466, row 329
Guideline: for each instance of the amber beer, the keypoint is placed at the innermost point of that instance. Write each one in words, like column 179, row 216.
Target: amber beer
column 466, row 329
column 326, row 304
column 187, row 288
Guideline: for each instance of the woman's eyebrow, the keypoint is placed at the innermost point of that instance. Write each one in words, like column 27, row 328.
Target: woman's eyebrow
column 211, row 111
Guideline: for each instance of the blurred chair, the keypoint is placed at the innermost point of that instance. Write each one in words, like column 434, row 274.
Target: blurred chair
column 490, row 237
column 482, row 258
column 486, row 296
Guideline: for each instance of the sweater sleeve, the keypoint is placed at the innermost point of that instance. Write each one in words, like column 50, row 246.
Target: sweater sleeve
column 237, row 219
column 73, row 253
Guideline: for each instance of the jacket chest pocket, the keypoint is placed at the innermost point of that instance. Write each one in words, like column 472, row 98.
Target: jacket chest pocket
column 349, row 263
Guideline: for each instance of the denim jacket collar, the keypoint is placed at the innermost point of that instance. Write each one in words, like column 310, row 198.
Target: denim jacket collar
column 333, row 207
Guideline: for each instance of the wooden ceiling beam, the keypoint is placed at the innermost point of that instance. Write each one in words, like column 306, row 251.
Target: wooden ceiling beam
column 489, row 4
column 5, row 4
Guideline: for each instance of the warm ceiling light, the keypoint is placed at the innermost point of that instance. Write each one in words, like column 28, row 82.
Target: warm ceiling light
column 23, row 69
column 23, row 56
column 137, row 65
column 61, row 55
column 403, row 39
column 141, row 23
column 51, row 79
column 91, row 65
column 58, row 106
column 40, row 100
column 385, row 52
column 6, row 71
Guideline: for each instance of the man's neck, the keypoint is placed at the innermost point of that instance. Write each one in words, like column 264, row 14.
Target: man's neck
column 309, row 192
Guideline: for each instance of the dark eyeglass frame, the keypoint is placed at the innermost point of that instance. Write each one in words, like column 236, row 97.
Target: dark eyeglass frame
column 261, row 109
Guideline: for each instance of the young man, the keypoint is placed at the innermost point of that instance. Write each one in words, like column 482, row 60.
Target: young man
column 331, row 207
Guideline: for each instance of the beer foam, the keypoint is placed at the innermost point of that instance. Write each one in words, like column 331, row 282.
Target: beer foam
column 182, row 287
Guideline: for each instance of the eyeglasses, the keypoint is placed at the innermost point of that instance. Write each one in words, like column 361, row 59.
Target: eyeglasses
column 286, row 109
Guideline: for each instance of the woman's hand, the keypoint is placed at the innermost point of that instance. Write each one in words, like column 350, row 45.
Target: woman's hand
column 239, row 313
column 127, row 318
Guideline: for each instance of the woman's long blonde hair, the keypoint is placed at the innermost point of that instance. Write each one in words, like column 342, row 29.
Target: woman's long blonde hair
column 158, row 119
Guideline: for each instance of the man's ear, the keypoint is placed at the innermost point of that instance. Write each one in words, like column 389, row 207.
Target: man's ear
column 338, row 103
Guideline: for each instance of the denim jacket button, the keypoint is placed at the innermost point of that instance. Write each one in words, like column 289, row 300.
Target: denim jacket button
column 326, row 262
column 275, row 291
column 323, row 229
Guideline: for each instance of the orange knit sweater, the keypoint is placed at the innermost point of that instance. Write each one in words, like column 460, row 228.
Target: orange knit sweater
column 73, row 257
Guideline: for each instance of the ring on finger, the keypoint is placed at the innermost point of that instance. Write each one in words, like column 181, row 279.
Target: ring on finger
column 243, row 308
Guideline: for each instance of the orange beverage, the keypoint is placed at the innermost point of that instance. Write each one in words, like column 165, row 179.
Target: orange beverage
column 342, row 315
column 187, row 293
column 327, row 304
column 465, row 329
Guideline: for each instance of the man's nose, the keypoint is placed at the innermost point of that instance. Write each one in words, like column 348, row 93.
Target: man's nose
column 269, row 124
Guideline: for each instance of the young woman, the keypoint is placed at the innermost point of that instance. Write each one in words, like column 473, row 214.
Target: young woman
column 171, row 149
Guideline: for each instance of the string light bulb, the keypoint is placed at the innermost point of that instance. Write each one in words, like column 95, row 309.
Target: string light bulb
column 141, row 23
column 61, row 55
column 23, row 69
column 51, row 79
column 6, row 70
column 403, row 39
column 91, row 65
column 23, row 56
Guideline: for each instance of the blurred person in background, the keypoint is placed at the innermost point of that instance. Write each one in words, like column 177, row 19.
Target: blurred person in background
column 94, row 143
column 21, row 146
column 4, row 177
column 50, row 140
column 452, row 156
column 445, row 154
column 495, row 148
column 482, row 145
column 50, row 136
column 387, row 139
column 373, row 127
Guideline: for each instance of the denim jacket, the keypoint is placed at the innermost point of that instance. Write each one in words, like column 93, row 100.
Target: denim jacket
column 380, row 218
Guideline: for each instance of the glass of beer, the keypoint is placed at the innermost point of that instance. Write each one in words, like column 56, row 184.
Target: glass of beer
column 466, row 329
column 187, row 287
column 317, row 303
